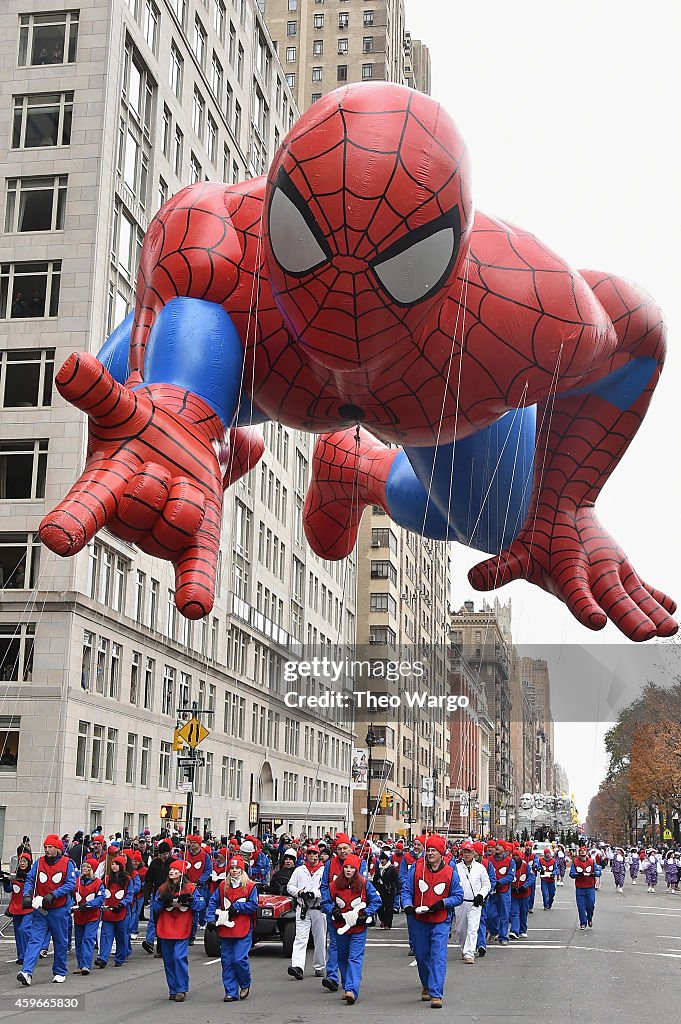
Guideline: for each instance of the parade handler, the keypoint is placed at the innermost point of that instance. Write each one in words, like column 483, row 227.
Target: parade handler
column 429, row 895
column 48, row 888
column 476, row 885
column 304, row 884
column 585, row 871
column 352, row 904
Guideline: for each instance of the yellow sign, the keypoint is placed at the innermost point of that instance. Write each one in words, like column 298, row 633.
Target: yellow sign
column 667, row 834
column 193, row 733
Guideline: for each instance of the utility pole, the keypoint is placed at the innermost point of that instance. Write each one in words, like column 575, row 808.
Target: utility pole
column 189, row 769
column 370, row 741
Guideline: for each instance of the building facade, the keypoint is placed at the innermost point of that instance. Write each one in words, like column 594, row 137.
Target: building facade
column 107, row 110
column 324, row 44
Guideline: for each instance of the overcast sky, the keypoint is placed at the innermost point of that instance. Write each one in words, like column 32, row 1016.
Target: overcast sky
column 570, row 113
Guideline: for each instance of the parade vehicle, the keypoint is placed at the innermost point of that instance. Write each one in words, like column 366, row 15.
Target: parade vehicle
column 276, row 922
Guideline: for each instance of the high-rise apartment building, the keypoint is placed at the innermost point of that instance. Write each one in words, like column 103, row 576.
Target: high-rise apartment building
column 324, row 44
column 107, row 109
column 402, row 619
column 416, row 64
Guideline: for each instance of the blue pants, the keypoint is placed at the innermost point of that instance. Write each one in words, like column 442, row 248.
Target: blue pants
column 135, row 911
column 332, row 951
column 151, row 928
column 410, row 930
column 350, row 959
column 586, row 901
column 548, row 892
column 430, row 949
column 498, row 913
column 236, row 968
column 85, row 943
column 203, row 891
column 533, row 885
column 482, row 930
column 114, row 930
column 22, row 933
column 519, row 909
column 128, row 930
column 54, row 923
column 176, row 963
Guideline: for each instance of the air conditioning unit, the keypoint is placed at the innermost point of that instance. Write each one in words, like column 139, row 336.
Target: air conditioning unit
column 404, row 596
column 375, row 543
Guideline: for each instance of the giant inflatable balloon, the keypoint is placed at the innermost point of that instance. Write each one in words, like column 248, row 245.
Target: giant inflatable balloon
column 461, row 375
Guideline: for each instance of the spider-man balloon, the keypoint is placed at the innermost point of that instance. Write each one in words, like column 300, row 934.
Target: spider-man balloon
column 355, row 292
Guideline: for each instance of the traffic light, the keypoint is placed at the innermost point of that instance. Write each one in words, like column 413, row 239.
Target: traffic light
column 171, row 812
column 387, row 801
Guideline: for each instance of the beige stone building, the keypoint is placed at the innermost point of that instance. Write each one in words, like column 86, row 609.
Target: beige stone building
column 324, row 44
column 106, row 111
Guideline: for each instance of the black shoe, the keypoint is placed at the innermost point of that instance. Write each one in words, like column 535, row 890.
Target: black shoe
column 296, row 972
column 100, row 963
column 330, row 984
column 482, row 951
column 148, row 948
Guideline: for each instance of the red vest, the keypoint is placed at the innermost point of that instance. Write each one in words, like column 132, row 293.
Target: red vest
column 584, row 877
column 520, row 887
column 197, row 865
column 114, row 896
column 214, row 883
column 141, row 873
column 83, row 913
column 344, row 897
column 410, row 858
column 546, row 868
column 49, row 877
column 501, row 868
column 15, row 908
column 429, row 887
column 176, row 923
column 242, row 922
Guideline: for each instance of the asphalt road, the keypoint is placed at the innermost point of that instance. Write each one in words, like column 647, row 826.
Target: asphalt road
column 627, row 968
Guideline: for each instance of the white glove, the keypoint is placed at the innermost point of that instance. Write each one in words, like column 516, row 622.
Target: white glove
column 37, row 902
column 422, row 910
column 222, row 919
column 214, row 876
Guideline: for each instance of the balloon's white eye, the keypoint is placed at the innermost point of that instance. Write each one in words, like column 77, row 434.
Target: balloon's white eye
column 296, row 239
column 415, row 267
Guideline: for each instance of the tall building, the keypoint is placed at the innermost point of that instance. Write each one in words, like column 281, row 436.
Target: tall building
column 536, row 682
column 402, row 619
column 324, row 45
column 107, row 111
column 471, row 740
column 523, row 731
column 484, row 640
column 416, row 64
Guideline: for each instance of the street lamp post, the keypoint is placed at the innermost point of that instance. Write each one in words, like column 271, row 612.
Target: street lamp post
column 370, row 740
column 435, row 778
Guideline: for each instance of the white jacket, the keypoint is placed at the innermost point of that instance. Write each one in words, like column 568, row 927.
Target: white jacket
column 474, row 880
column 302, row 878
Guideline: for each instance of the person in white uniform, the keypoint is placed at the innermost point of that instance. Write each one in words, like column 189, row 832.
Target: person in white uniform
column 476, row 887
column 304, row 884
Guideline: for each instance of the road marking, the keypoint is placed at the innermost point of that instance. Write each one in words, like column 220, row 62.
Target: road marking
column 634, row 952
column 652, row 913
column 208, row 963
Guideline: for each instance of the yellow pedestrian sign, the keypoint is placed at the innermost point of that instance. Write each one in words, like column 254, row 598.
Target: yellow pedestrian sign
column 193, row 733
column 667, row 834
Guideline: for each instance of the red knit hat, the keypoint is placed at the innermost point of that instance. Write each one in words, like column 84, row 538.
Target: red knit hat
column 342, row 837
column 421, row 840
column 479, row 848
column 194, row 839
column 436, row 842
column 123, row 861
column 137, row 857
column 53, row 840
column 491, row 846
column 352, row 861
column 312, row 849
column 547, row 852
column 179, row 865
column 92, row 861
column 112, row 850
column 237, row 862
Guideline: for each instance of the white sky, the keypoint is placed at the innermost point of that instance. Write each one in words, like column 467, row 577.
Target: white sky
column 570, row 113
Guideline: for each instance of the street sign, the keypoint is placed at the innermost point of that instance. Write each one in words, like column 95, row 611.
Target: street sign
column 427, row 799
column 502, row 817
column 188, row 762
column 184, row 787
column 193, row 733
column 410, row 821
column 486, row 807
column 667, row 834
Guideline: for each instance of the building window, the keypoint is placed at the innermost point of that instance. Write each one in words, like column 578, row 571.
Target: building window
column 162, row 193
column 115, row 672
column 343, row 19
column 240, row 64
column 198, row 113
column 290, row 54
column 368, row 17
column 383, row 570
column 48, row 38
column 318, row 20
column 291, row 81
column 216, row 78
column 342, row 73
column 195, row 170
column 19, row 560
column 368, row 44
column 127, row 243
column 315, row 96
column 164, row 766
column 199, row 45
column 342, row 46
column 180, row 9
column 316, row 74
column 43, row 119
column 367, row 71
column 176, row 71
column 382, row 635
column 153, row 604
column 168, row 688
column 35, row 204
column 135, row 675
column 149, row 673
column 212, row 139
column 145, row 761
column 291, row 28
column 219, row 18
column 82, row 745
column 318, row 48
column 383, row 603
column 151, row 19
column 293, row 5
column 110, row 759
column 166, row 132
column 237, row 121
column 96, row 752
column 22, row 469
column 178, row 146
column 26, row 378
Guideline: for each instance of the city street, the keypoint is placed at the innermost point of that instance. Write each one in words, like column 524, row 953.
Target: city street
column 620, row 969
